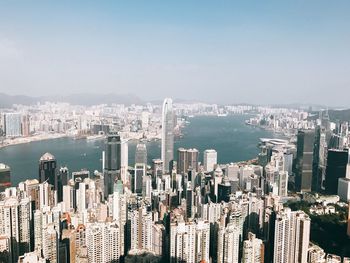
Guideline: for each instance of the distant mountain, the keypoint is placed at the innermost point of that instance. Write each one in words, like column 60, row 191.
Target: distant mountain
column 87, row 99
column 341, row 115
column 6, row 101
column 334, row 115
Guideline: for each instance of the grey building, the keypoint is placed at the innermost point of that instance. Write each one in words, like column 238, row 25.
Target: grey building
column 167, row 134
column 112, row 162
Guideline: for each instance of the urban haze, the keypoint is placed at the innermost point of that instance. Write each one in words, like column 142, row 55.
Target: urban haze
column 181, row 132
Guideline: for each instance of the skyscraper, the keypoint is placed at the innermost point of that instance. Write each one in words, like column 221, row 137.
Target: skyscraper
column 228, row 244
column 337, row 161
column 139, row 173
column 193, row 155
column 141, row 229
column 124, row 163
column 187, row 159
column 113, row 152
column 305, row 145
column 344, row 184
column 25, row 129
column 112, row 162
column 157, row 166
column 182, row 161
column 141, row 153
column 292, row 234
column 167, row 135
column 319, row 159
column 189, row 241
column 47, row 170
column 63, row 178
column 209, row 160
column 24, row 217
column 13, row 124
column 253, row 250
column 94, row 240
column 9, row 225
column 224, row 190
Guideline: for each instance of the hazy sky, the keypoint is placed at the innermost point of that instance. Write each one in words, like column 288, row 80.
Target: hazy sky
column 219, row 51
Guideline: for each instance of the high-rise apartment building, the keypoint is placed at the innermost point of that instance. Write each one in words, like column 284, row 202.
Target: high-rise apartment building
column 141, row 229
column 189, row 241
column 291, row 239
column 103, row 242
column 94, row 242
column 9, row 226
column 228, row 244
column 13, row 124
column 25, row 220
column 50, row 243
column 253, row 250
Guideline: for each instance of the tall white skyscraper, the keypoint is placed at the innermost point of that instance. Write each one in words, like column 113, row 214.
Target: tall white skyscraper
column 292, row 235
column 167, row 134
column 209, row 160
column 124, row 161
column 81, row 198
column 68, row 194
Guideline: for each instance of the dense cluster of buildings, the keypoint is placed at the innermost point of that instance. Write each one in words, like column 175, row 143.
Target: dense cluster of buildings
column 179, row 208
column 43, row 120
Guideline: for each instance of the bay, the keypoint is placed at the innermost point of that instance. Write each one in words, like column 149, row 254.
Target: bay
column 229, row 136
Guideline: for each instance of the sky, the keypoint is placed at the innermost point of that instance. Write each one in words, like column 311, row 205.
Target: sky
column 262, row 52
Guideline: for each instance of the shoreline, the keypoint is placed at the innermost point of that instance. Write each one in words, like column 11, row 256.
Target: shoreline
column 35, row 138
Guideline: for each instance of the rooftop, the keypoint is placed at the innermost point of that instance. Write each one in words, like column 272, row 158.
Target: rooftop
column 47, row 157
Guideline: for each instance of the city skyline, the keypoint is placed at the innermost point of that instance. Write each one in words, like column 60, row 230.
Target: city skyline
column 274, row 207
column 175, row 131
column 272, row 52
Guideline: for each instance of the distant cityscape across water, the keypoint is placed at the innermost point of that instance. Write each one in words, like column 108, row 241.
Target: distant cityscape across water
column 233, row 140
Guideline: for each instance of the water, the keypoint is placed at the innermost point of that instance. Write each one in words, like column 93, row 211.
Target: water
column 229, row 136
